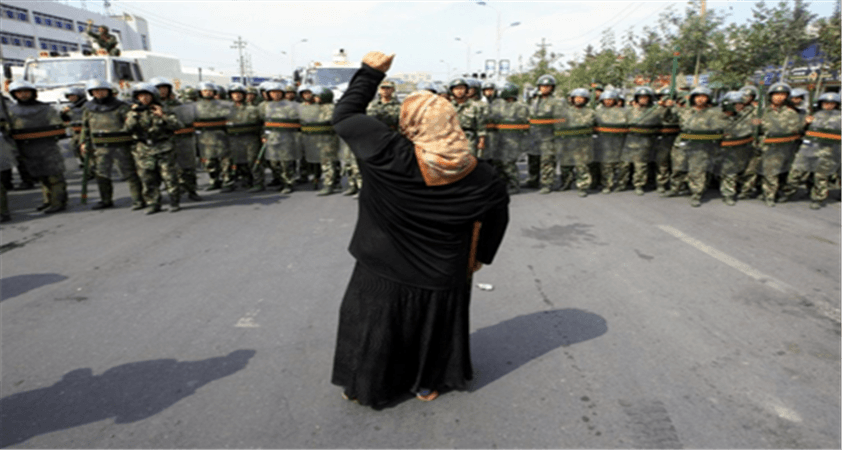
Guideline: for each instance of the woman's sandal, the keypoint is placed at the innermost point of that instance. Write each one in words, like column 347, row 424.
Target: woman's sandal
column 427, row 395
column 345, row 396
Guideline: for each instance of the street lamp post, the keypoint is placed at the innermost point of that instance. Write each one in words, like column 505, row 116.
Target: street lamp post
column 500, row 30
column 292, row 53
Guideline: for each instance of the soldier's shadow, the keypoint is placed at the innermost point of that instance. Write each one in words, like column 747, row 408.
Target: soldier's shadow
column 500, row 349
column 128, row 393
column 19, row 284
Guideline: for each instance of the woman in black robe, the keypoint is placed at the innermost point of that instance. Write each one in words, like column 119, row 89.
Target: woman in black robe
column 430, row 214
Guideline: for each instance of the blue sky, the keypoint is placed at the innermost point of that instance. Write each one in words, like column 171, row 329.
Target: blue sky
column 422, row 34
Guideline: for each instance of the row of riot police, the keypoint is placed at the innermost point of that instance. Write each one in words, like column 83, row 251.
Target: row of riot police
column 686, row 143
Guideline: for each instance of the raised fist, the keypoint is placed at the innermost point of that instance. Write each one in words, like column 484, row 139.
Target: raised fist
column 378, row 60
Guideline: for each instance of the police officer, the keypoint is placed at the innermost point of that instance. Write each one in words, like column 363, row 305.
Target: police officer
column 781, row 127
column 644, row 122
column 244, row 130
column 281, row 126
column 575, row 142
column 819, row 152
column 153, row 127
column 611, row 132
column 386, row 108
column 210, row 124
column 545, row 114
column 737, row 146
column 469, row 113
column 166, row 91
column 36, row 127
column 72, row 116
column 103, row 134
column 328, row 141
column 511, row 119
column 104, row 39
column 663, row 147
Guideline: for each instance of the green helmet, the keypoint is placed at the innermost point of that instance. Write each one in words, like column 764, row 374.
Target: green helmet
column 780, row 88
column 290, row 88
column 148, row 88
column 189, row 93
column 731, row 99
column 750, row 90
column 509, row 90
column 546, row 80
column 580, row 92
column 207, row 86
column 609, row 95
column 96, row 83
column 251, row 90
column 457, row 82
column 799, row 93
column 325, row 95
column 387, row 84
column 236, row 87
column 700, row 90
column 644, row 90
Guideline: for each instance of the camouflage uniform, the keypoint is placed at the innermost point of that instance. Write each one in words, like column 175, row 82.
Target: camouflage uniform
column 107, row 42
column 244, row 128
column 663, row 147
column 210, row 123
column 700, row 139
column 388, row 112
column 72, row 116
column 736, row 150
column 36, row 128
column 184, row 145
column 748, row 179
column 611, row 132
column 575, row 143
column 103, row 133
column 644, row 124
column 281, row 125
column 317, row 134
column 820, row 154
column 511, row 120
column 472, row 121
column 544, row 114
column 782, row 127
column 155, row 154
column 8, row 150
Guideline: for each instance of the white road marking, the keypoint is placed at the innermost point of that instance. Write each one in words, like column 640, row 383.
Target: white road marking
column 768, row 280
column 826, row 309
column 247, row 321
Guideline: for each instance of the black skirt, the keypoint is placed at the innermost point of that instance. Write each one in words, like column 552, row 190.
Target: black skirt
column 395, row 339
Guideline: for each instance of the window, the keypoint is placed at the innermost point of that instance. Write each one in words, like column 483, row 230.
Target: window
column 59, row 24
column 22, row 16
column 13, row 12
column 29, row 43
column 143, row 40
column 68, row 26
column 10, row 13
column 4, row 40
column 38, row 20
column 81, row 28
column 43, row 46
column 16, row 42
column 48, row 22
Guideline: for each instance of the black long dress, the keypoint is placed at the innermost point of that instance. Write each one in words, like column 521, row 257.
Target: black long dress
column 403, row 322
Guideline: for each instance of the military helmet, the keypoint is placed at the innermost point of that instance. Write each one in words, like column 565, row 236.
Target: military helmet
column 262, row 86
column 488, row 85
column 509, row 90
column 303, row 88
column 598, row 87
column 546, row 80
column 829, row 97
column 474, row 83
column 750, row 90
column 269, row 86
column 96, row 83
column 237, row 87
column 149, row 88
column 206, row 86
column 700, row 90
column 387, row 84
column 580, row 92
column 22, row 85
column 780, row 88
column 251, row 90
column 289, row 87
column 74, row 90
column 799, row 92
column 644, row 90
column 104, row 27
column 730, row 99
column 459, row 81
column 189, row 93
column 610, row 94
column 664, row 91
column 325, row 94
column 425, row 86
column 223, row 93
column 161, row 81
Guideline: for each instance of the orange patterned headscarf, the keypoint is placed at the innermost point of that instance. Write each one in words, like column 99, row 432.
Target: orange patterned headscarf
column 441, row 148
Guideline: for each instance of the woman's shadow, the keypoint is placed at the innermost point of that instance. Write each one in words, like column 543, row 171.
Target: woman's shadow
column 128, row 393
column 499, row 349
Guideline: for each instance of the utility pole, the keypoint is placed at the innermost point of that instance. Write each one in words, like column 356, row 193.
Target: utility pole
column 543, row 46
column 240, row 44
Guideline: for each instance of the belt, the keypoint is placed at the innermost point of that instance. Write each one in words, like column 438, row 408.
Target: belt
column 188, row 130
column 781, row 139
column 53, row 131
column 544, row 122
column 643, row 130
column 701, row 136
column 210, row 124
column 832, row 135
column 674, row 130
column 737, row 141
column 615, row 130
column 117, row 137
column 510, row 127
column 317, row 129
column 250, row 128
column 575, row 132
column 491, row 126
column 283, row 126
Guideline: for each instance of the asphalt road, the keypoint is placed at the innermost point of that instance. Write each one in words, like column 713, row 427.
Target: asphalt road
column 615, row 321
